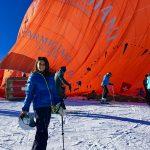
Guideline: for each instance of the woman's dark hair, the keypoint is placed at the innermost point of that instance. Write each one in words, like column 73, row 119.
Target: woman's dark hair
column 47, row 69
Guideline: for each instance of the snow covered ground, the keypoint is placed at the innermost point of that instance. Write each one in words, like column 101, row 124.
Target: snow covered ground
column 88, row 126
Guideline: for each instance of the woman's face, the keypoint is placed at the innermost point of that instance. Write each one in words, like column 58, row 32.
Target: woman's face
column 41, row 65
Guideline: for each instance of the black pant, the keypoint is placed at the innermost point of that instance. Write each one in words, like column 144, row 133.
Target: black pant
column 62, row 97
column 62, row 103
column 43, row 116
column 105, row 91
column 148, row 96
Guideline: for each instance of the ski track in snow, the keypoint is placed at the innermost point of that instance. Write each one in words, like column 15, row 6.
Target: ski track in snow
column 87, row 126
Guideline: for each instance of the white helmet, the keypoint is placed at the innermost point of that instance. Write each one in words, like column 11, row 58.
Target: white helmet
column 27, row 122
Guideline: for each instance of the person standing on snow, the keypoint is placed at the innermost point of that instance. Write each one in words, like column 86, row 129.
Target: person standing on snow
column 104, row 84
column 42, row 92
column 60, row 84
column 148, row 88
column 145, row 86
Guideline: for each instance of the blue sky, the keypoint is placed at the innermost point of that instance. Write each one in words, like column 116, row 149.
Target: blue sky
column 11, row 15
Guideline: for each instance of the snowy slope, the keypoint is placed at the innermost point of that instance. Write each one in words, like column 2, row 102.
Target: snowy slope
column 88, row 126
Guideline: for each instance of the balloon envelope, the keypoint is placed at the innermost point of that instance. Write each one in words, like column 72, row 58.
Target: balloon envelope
column 91, row 38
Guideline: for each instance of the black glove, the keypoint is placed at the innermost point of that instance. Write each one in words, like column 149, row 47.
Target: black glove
column 22, row 114
column 62, row 105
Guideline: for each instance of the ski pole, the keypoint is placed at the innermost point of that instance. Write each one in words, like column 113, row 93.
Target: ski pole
column 62, row 121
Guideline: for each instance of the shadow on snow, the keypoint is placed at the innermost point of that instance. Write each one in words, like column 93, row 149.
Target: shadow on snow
column 13, row 113
column 99, row 116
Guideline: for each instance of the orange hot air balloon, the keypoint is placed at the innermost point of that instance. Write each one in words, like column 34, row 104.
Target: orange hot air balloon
column 90, row 37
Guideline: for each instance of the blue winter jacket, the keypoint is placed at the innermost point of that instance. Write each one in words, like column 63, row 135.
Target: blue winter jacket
column 38, row 93
column 105, row 81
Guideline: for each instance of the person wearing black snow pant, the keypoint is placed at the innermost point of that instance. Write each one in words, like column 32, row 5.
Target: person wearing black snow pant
column 60, row 82
column 104, row 84
column 147, row 94
column 42, row 92
column 43, row 116
column 105, row 91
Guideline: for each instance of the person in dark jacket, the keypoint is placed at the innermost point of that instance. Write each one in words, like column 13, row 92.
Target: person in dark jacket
column 104, row 84
column 148, row 88
column 60, row 84
column 145, row 86
column 41, row 90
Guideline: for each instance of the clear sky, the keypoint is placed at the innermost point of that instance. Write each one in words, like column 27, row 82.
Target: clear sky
column 11, row 15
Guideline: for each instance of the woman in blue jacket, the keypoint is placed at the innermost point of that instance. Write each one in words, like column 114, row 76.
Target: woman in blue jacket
column 42, row 92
